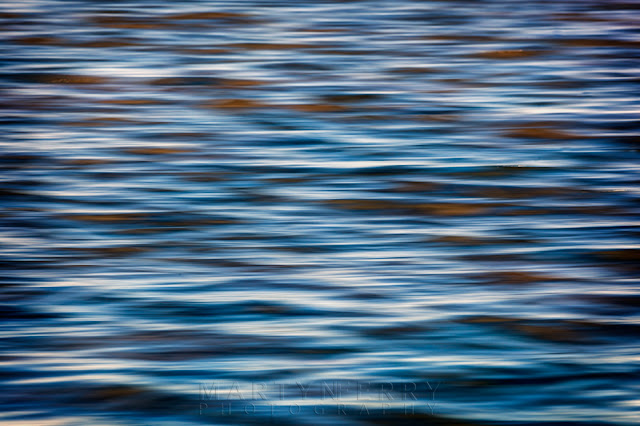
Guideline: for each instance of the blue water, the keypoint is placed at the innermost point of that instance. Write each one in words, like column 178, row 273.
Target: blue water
column 361, row 212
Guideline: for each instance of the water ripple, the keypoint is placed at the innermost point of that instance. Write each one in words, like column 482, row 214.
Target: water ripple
column 352, row 212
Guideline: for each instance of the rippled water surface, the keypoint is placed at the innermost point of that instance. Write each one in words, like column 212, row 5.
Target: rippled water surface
column 360, row 212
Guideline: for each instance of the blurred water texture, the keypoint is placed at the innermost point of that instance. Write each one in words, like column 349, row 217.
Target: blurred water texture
column 214, row 194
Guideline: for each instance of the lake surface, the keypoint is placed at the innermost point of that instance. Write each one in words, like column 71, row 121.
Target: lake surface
column 360, row 212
